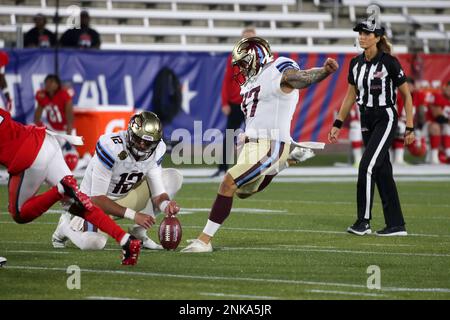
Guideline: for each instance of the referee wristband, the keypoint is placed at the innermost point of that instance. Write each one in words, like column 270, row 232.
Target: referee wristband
column 164, row 205
column 409, row 129
column 129, row 214
column 338, row 123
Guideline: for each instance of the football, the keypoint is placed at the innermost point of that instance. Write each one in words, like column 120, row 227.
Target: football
column 170, row 233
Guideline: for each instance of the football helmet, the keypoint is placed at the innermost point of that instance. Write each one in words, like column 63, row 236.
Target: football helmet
column 143, row 135
column 418, row 148
column 249, row 57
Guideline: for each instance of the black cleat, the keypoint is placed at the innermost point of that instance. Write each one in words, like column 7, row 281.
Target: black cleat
column 360, row 228
column 392, row 231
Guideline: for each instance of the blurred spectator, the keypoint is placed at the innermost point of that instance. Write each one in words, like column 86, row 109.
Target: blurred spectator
column 439, row 126
column 231, row 104
column 419, row 109
column 57, row 103
column 83, row 37
column 39, row 36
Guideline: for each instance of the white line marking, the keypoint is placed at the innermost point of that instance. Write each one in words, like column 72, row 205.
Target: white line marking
column 223, row 278
column 387, row 245
column 319, row 202
column 107, row 298
column 262, row 230
column 234, row 210
column 236, row 295
column 36, row 251
column 347, row 293
column 299, row 249
column 326, row 179
column 308, row 231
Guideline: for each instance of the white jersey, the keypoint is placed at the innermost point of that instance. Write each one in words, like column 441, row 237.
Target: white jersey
column 114, row 172
column 267, row 109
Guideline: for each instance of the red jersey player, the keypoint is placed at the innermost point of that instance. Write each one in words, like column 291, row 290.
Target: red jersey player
column 439, row 128
column 33, row 157
column 417, row 148
column 57, row 103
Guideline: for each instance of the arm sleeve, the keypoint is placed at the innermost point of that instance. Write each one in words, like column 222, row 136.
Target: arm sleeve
column 396, row 72
column 101, row 178
column 155, row 181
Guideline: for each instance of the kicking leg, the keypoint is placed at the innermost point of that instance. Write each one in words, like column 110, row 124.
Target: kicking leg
column 219, row 212
column 251, row 166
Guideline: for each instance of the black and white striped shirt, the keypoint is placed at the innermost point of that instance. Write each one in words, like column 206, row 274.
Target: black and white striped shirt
column 377, row 80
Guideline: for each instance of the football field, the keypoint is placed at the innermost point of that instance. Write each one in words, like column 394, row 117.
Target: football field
column 288, row 242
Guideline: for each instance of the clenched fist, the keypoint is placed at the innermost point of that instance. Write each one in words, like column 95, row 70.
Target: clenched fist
column 330, row 65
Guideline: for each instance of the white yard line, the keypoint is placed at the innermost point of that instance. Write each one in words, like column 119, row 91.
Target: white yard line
column 319, row 202
column 233, row 279
column 107, row 298
column 307, row 249
column 347, row 293
column 245, row 296
column 325, row 179
column 387, row 245
column 308, row 231
column 37, row 251
column 262, row 230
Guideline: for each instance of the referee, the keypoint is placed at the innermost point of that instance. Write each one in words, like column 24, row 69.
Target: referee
column 373, row 78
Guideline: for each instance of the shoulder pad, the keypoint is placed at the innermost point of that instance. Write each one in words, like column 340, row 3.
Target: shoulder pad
column 108, row 148
column 283, row 63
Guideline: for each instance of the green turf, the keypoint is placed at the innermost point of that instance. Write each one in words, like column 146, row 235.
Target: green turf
column 281, row 254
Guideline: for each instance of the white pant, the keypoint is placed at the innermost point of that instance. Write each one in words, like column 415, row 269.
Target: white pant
column 49, row 166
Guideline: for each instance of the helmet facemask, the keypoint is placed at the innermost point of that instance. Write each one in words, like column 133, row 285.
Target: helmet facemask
column 248, row 57
column 141, row 142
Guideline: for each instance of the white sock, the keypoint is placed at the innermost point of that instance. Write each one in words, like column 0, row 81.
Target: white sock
column 391, row 155
column 60, row 188
column 124, row 239
column 357, row 155
column 211, row 228
column 399, row 155
column 435, row 156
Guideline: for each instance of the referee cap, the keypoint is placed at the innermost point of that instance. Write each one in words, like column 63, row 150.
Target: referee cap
column 369, row 26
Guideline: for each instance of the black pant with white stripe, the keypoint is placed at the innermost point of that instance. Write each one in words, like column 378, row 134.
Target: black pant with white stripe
column 378, row 126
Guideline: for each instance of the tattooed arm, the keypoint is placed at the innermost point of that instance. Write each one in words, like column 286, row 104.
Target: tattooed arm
column 299, row 79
